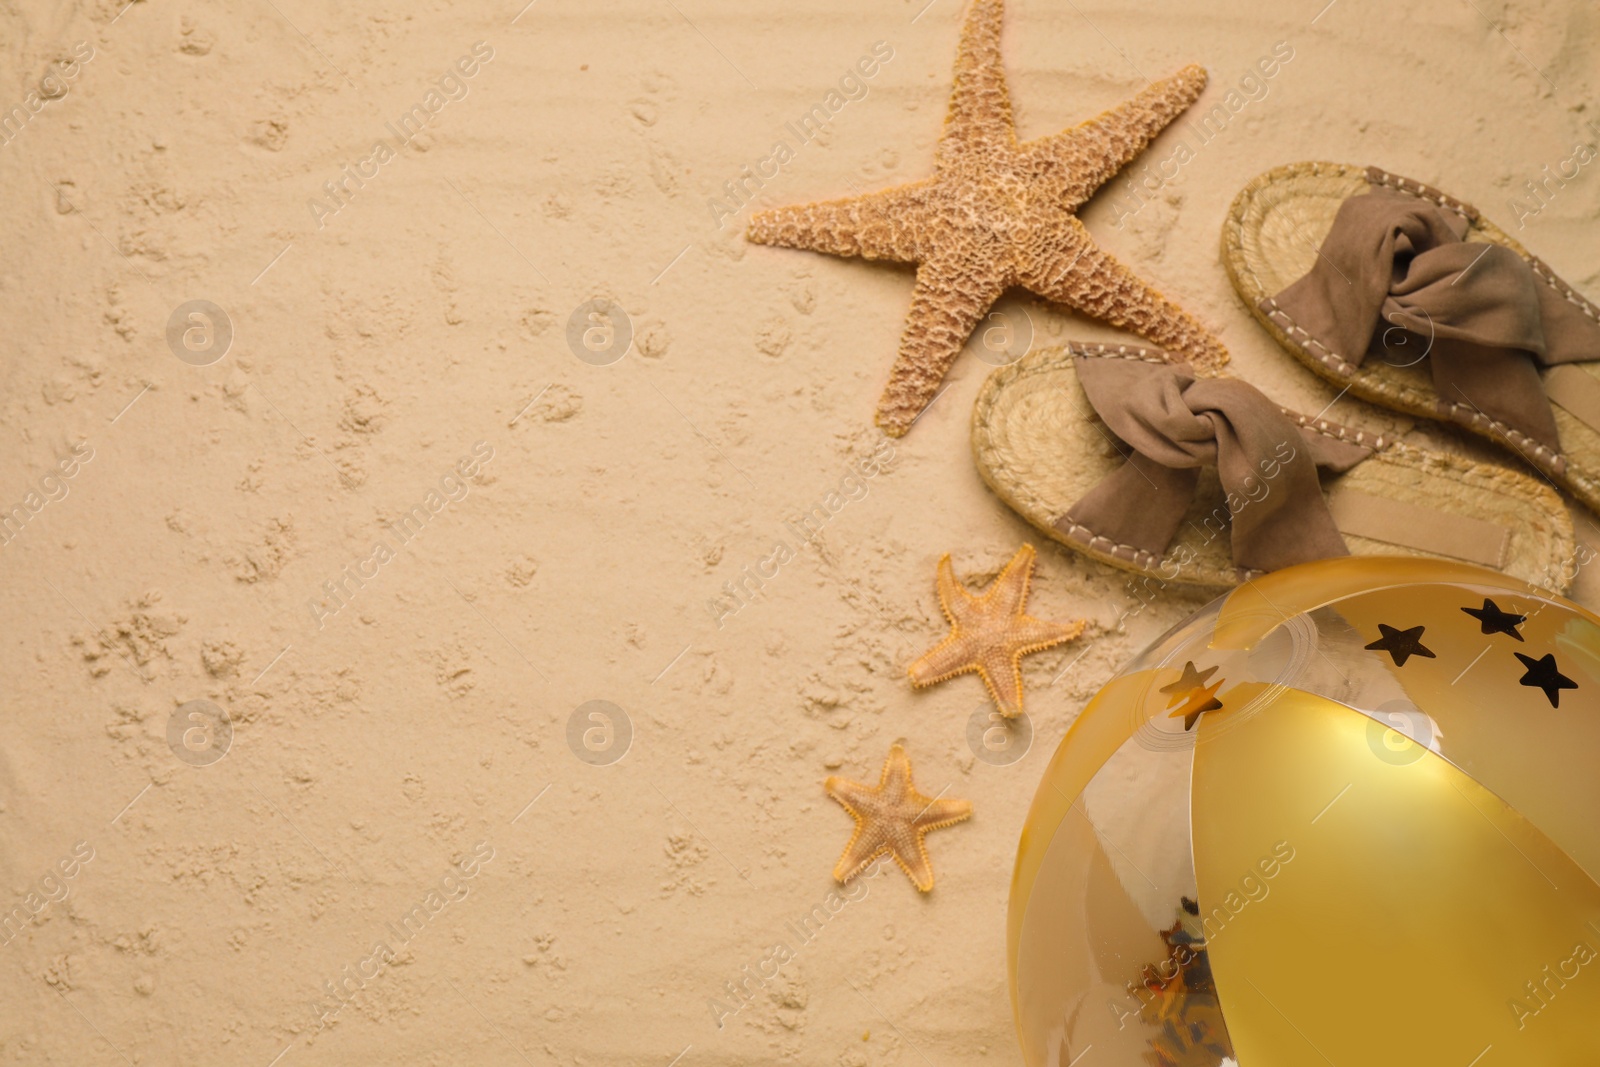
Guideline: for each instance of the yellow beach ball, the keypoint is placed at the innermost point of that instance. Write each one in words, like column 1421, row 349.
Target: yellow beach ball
column 1345, row 815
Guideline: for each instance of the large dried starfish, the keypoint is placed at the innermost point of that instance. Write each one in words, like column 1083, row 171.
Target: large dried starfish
column 990, row 633
column 892, row 817
column 997, row 214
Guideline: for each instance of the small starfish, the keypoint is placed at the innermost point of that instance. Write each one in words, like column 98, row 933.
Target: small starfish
column 1401, row 644
column 1494, row 621
column 892, row 817
column 990, row 633
column 1542, row 674
column 998, row 213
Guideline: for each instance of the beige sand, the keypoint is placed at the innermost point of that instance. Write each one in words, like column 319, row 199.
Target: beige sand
column 380, row 335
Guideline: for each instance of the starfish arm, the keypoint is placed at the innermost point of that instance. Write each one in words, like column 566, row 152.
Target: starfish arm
column 943, row 812
column 1010, row 590
column 950, row 657
column 949, row 300
column 1002, row 675
column 979, row 119
column 1035, row 635
column 1087, row 279
column 1076, row 162
column 864, row 847
column 896, row 777
column 911, row 850
column 854, row 797
column 915, row 862
column 880, row 225
column 954, row 600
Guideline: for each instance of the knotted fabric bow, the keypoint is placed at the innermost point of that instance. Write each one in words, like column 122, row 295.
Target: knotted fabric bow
column 1478, row 311
column 1174, row 424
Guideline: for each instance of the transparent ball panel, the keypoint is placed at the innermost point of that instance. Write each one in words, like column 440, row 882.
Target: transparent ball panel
column 1460, row 713
column 1112, row 930
column 1467, row 700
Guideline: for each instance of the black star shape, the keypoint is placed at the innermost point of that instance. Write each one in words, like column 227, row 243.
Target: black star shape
column 1542, row 674
column 1401, row 644
column 1496, row 621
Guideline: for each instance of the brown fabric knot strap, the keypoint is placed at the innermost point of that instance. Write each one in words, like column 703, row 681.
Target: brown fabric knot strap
column 1478, row 312
column 1170, row 424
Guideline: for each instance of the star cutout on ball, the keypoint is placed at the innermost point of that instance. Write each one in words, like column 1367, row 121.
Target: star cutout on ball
column 1495, row 621
column 1194, row 694
column 1192, row 679
column 991, row 633
column 892, row 818
column 999, row 213
column 1401, row 644
column 1542, row 674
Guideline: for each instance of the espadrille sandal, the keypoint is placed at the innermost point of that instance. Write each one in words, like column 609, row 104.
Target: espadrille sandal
column 1125, row 456
column 1414, row 301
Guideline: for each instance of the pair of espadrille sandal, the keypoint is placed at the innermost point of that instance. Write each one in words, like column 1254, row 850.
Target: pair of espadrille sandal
column 1404, row 296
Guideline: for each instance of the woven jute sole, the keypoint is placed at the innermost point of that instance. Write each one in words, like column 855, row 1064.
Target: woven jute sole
column 1271, row 239
column 1041, row 447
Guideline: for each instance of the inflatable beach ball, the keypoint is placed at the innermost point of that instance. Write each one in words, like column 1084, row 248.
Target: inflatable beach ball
column 1349, row 814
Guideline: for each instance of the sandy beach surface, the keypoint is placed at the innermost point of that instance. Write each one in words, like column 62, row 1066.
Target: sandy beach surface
column 292, row 404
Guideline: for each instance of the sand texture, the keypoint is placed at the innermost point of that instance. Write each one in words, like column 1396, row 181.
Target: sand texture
column 511, row 419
